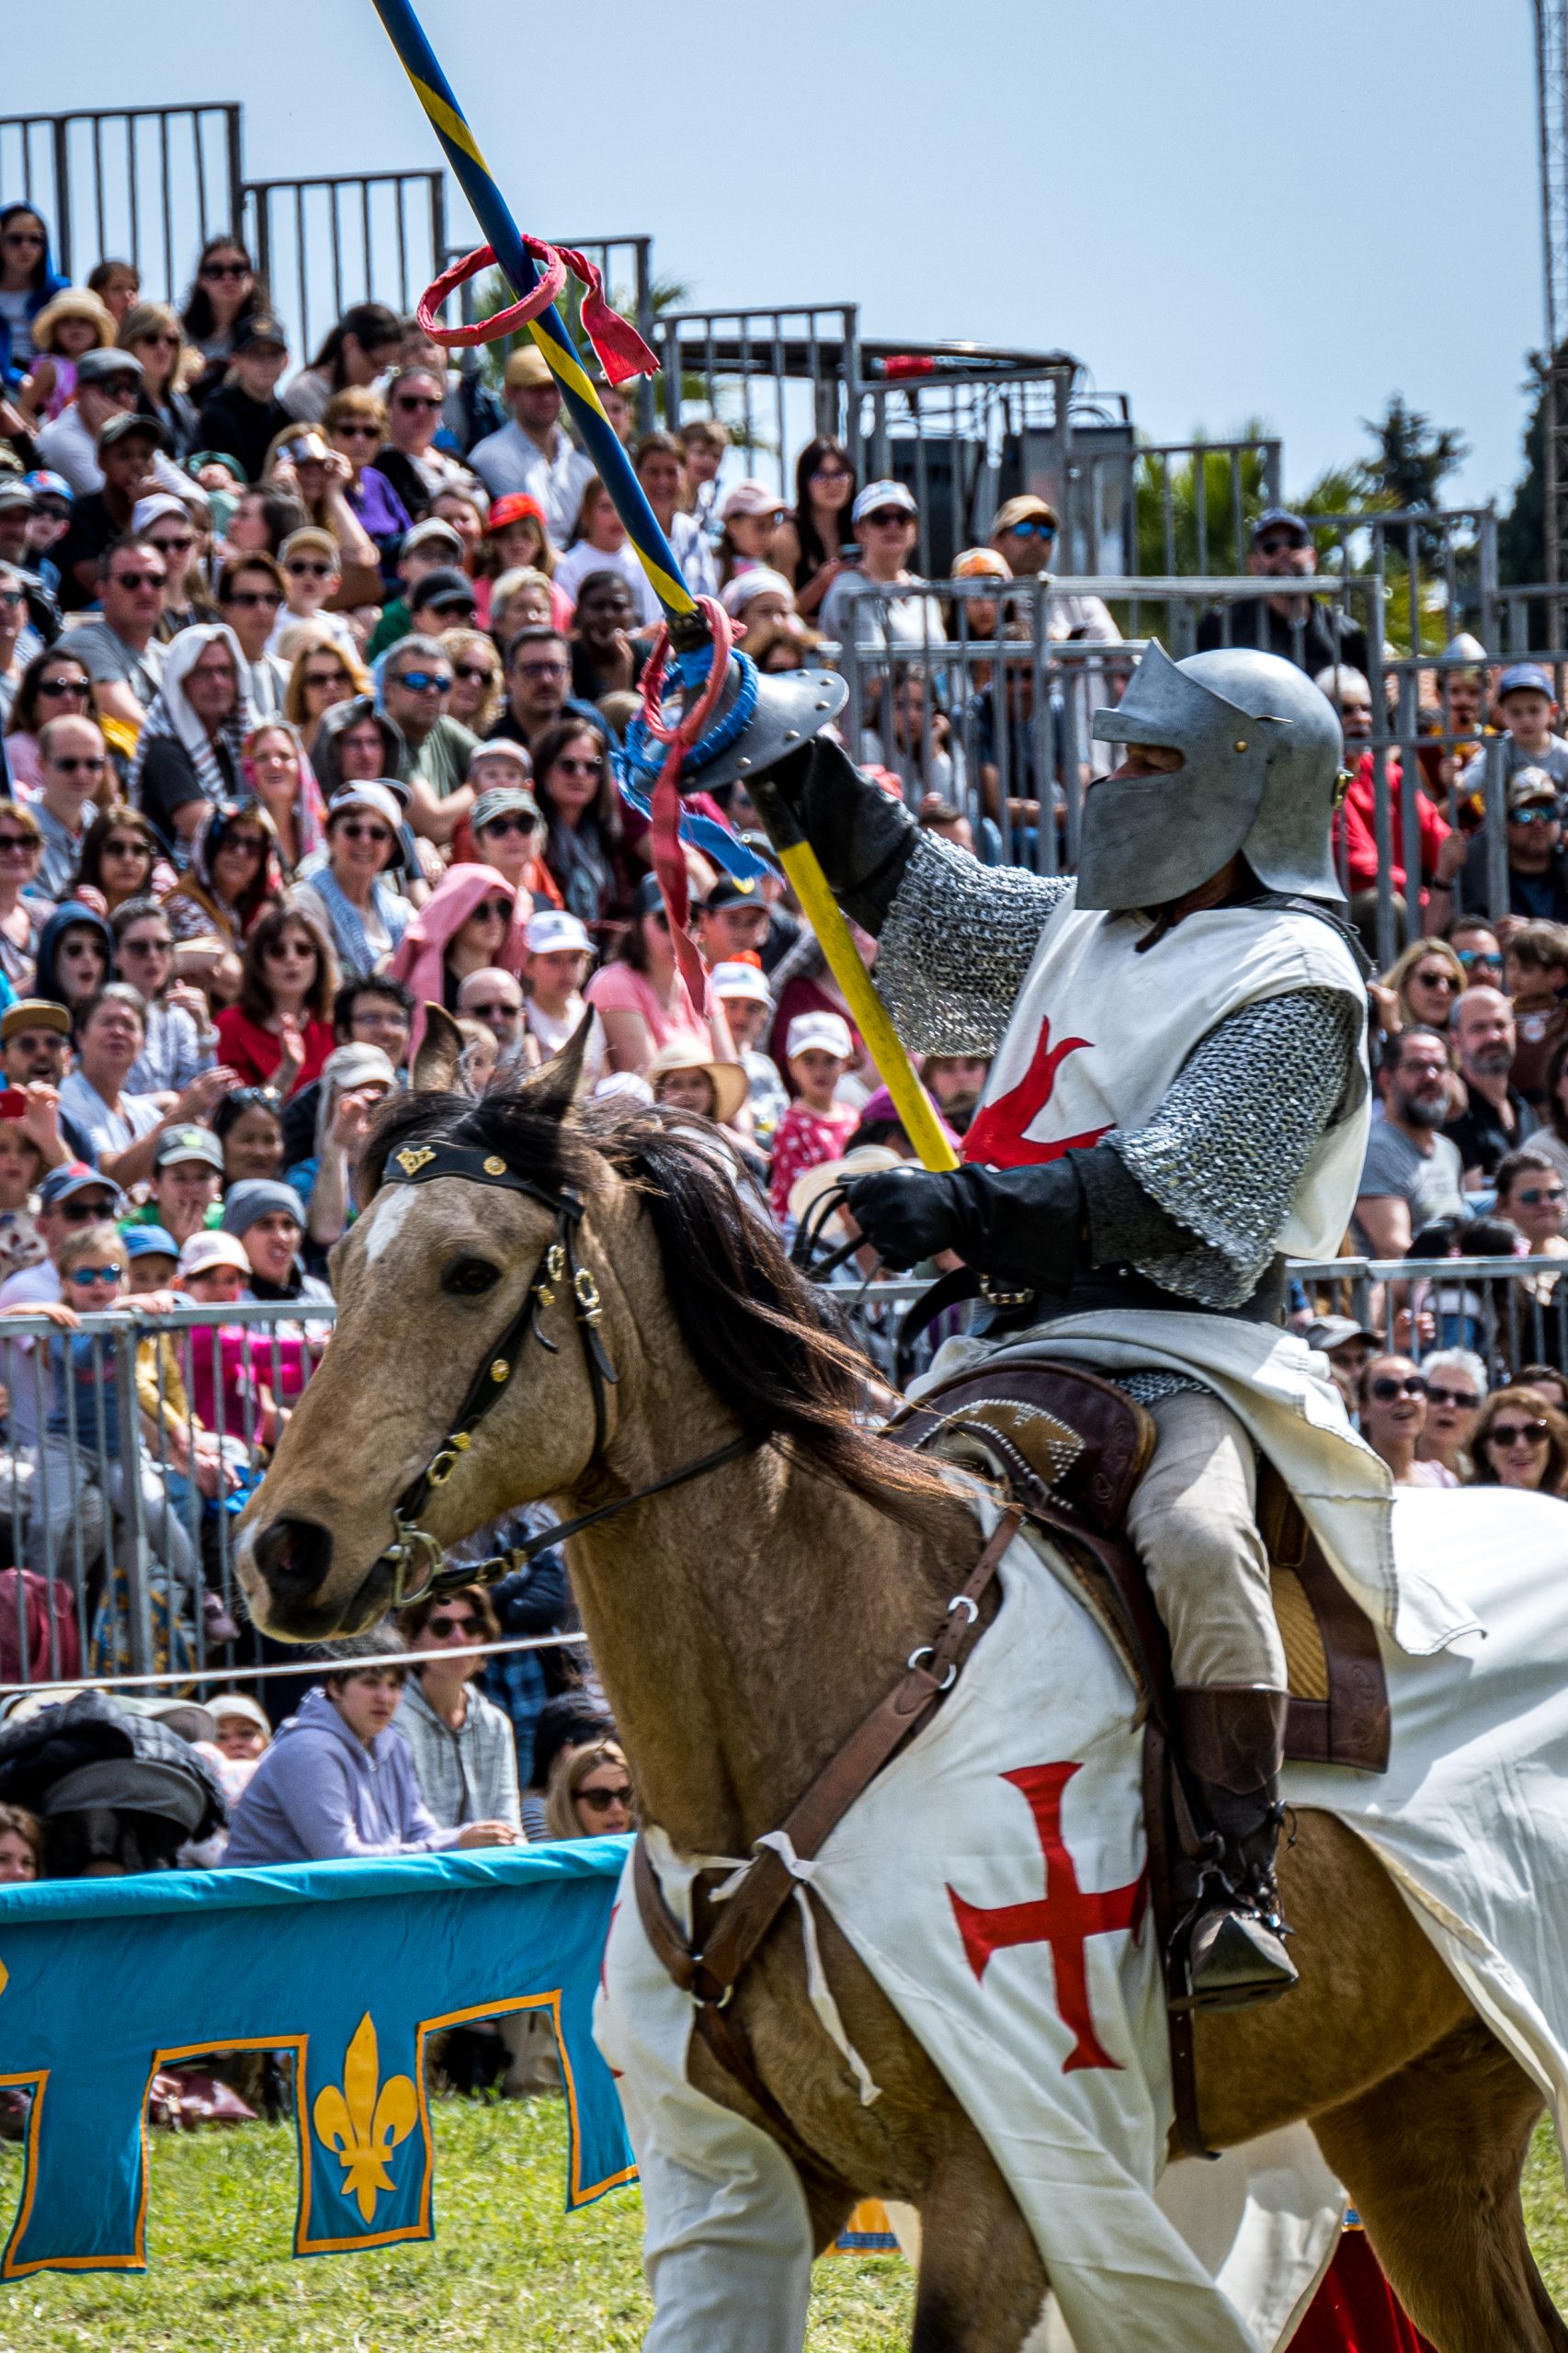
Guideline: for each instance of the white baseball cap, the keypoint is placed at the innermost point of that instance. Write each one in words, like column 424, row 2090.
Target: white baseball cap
column 883, row 493
column 552, row 929
column 205, row 1251
column 740, row 980
column 829, row 1032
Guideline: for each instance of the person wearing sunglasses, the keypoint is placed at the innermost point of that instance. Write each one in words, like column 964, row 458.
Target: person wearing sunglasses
column 172, row 527
column 73, row 771
column 1456, row 1391
column 411, row 460
column 577, row 794
column 477, row 692
column 1520, row 1441
column 1392, row 1403
column 1420, row 988
column 359, row 348
column 416, row 686
column 355, row 422
column 1537, row 859
column 28, row 281
column 325, row 673
column 463, row 1750
column 233, row 874
column 473, row 919
column 188, row 758
column 338, row 1779
column 353, row 899
column 312, row 573
column 591, row 1794
column 886, row 522
column 1531, row 1195
column 22, row 914
column 54, row 686
column 1299, row 629
column 120, row 650
column 251, row 598
column 278, row 1034
column 151, row 332
column 507, row 823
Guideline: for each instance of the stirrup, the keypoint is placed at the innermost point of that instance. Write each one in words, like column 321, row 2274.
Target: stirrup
column 1232, row 1959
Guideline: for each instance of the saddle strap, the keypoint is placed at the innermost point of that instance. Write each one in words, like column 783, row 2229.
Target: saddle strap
column 710, row 1976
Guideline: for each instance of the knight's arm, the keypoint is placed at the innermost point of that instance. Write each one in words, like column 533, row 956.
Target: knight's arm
column 1197, row 1200
column 955, row 938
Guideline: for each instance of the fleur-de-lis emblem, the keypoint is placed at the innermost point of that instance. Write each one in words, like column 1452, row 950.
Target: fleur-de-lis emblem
column 414, row 1158
column 361, row 2125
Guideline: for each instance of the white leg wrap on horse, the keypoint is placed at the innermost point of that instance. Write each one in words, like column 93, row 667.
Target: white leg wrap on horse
column 1192, row 1519
column 727, row 2241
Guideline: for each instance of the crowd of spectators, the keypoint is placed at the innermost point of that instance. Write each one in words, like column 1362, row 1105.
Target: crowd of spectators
column 314, row 670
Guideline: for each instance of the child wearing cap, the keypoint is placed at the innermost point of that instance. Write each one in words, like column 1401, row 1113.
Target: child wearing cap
column 818, row 1049
column 1526, row 708
column 741, row 986
column 555, row 965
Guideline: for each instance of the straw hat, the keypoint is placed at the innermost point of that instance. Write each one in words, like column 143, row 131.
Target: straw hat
column 74, row 302
column 729, row 1081
column 866, row 1160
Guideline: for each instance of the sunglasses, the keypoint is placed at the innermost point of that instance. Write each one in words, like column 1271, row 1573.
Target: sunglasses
column 1034, row 530
column 64, row 687
column 254, row 845
column 492, row 910
column 1512, row 1433
column 353, row 831
column 1275, row 546
column 417, row 400
column 493, row 1012
column 20, row 843
column 1532, row 816
column 443, row 1626
column 1471, row 956
column 601, row 1801
column 281, row 948
column 251, row 596
column 225, row 269
column 323, row 679
column 581, row 767
column 1438, row 980
column 139, row 579
column 163, row 341
column 175, row 546
column 88, row 764
column 471, row 674
column 357, row 432
column 425, row 682
column 11, row 598
column 1460, row 1397
column 125, row 846
column 831, row 474
column 1385, row 1389
column 146, row 947
column 1536, row 1194
column 511, row 824
column 887, row 519
column 301, row 571
column 84, row 1212
column 85, row 1275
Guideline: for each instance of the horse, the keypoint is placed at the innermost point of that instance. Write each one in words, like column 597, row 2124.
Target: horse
column 759, row 1564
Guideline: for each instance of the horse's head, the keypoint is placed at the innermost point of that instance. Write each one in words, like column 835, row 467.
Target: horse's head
column 457, row 1306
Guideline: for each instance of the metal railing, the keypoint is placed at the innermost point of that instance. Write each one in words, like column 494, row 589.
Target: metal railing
column 1167, row 507
column 128, row 1446
column 146, row 185
column 626, row 265
column 331, row 240
column 774, row 376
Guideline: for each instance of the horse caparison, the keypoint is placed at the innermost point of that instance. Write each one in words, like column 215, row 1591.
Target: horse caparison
column 743, row 1624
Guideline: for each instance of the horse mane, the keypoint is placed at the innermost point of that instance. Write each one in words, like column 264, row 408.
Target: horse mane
column 761, row 1334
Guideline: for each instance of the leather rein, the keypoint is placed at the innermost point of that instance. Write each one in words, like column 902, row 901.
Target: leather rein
column 416, row 1556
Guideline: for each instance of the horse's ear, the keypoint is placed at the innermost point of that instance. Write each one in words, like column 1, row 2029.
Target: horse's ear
column 438, row 1065
column 556, row 1087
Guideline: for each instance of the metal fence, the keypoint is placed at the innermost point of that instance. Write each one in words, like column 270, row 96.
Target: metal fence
column 339, row 238
column 626, row 265
column 108, row 1486
column 146, row 185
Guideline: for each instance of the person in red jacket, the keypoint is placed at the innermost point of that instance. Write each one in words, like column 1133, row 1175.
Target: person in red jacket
column 279, row 1034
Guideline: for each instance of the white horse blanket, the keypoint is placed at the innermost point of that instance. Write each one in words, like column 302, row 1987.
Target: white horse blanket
column 991, row 1880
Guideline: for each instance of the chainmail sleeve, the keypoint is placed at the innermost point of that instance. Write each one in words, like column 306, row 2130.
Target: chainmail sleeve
column 955, row 946
column 1197, row 1198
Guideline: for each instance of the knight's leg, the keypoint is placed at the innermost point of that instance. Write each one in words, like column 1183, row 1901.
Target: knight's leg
column 1193, row 1520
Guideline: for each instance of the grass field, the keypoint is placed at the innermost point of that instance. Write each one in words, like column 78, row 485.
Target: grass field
column 507, row 2268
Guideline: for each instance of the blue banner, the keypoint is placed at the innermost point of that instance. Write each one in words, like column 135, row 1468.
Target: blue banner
column 348, row 1966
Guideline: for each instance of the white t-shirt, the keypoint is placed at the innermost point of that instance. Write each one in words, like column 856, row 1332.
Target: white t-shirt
column 111, row 1131
column 508, row 461
column 579, row 563
column 554, row 1031
column 914, row 619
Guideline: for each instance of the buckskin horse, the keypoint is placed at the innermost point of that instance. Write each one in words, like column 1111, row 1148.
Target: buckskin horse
column 724, row 1441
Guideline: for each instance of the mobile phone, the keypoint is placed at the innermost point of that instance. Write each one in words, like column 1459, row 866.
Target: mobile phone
column 850, row 553
column 13, row 1104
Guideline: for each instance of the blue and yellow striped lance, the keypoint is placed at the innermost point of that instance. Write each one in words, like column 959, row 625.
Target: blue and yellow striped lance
column 549, row 330
column 800, row 861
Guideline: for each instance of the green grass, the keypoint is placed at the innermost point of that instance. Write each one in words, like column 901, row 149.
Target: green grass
column 507, row 2267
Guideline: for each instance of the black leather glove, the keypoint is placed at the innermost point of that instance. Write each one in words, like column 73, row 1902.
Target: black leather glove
column 1023, row 1225
column 863, row 837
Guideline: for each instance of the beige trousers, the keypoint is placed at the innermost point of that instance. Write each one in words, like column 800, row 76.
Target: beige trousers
column 1193, row 1521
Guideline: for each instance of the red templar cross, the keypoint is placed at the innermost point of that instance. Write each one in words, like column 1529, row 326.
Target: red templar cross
column 1064, row 1919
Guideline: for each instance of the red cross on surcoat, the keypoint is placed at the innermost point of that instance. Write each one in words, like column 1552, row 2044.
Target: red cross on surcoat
column 1064, row 1918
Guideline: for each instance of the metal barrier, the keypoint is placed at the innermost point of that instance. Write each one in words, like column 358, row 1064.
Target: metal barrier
column 334, row 239
column 774, row 378
column 1168, row 507
column 113, row 1436
column 626, row 265
column 927, row 652
column 146, row 185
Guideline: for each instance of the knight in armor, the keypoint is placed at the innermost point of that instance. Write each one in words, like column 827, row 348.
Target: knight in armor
column 1179, row 1101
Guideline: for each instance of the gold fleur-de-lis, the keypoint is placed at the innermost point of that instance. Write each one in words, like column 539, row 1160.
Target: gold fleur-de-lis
column 415, row 1157
column 362, row 2125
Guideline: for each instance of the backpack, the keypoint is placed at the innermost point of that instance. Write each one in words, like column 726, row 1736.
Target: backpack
column 29, row 1648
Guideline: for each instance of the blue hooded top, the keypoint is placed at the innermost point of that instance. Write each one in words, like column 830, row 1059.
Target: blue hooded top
column 47, row 283
column 67, row 916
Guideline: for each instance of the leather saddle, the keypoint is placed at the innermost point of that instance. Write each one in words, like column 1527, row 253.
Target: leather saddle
column 1070, row 1447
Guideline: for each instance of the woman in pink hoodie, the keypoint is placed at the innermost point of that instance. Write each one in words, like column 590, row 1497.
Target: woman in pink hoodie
column 473, row 919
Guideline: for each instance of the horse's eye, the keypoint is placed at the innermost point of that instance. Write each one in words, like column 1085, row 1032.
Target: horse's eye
column 466, row 1278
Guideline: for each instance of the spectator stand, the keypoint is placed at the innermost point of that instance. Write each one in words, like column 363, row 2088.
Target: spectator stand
column 149, row 184
column 334, row 239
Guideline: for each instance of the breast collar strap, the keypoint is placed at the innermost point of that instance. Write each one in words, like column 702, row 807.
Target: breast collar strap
column 415, row 1557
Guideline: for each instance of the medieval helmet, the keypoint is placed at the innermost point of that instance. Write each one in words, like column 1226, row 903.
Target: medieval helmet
column 1261, row 750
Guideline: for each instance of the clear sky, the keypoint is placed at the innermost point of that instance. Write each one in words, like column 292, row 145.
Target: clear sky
column 1226, row 208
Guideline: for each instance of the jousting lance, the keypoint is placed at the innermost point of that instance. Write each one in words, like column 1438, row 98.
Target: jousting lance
column 730, row 722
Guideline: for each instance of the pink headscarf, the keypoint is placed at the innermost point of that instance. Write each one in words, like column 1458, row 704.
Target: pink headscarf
column 420, row 955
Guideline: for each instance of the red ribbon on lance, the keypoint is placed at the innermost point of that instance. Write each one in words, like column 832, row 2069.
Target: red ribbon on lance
column 664, row 808
column 617, row 347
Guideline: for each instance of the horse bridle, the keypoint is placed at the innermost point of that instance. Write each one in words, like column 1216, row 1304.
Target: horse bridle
column 414, row 1557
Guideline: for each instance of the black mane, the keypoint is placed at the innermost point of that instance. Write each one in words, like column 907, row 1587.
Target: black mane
column 761, row 1334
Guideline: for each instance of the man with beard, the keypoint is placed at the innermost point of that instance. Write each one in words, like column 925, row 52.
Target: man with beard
column 1412, row 1174
column 1497, row 1118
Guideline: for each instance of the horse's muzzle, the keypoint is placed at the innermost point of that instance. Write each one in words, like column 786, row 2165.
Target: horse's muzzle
column 294, row 1556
